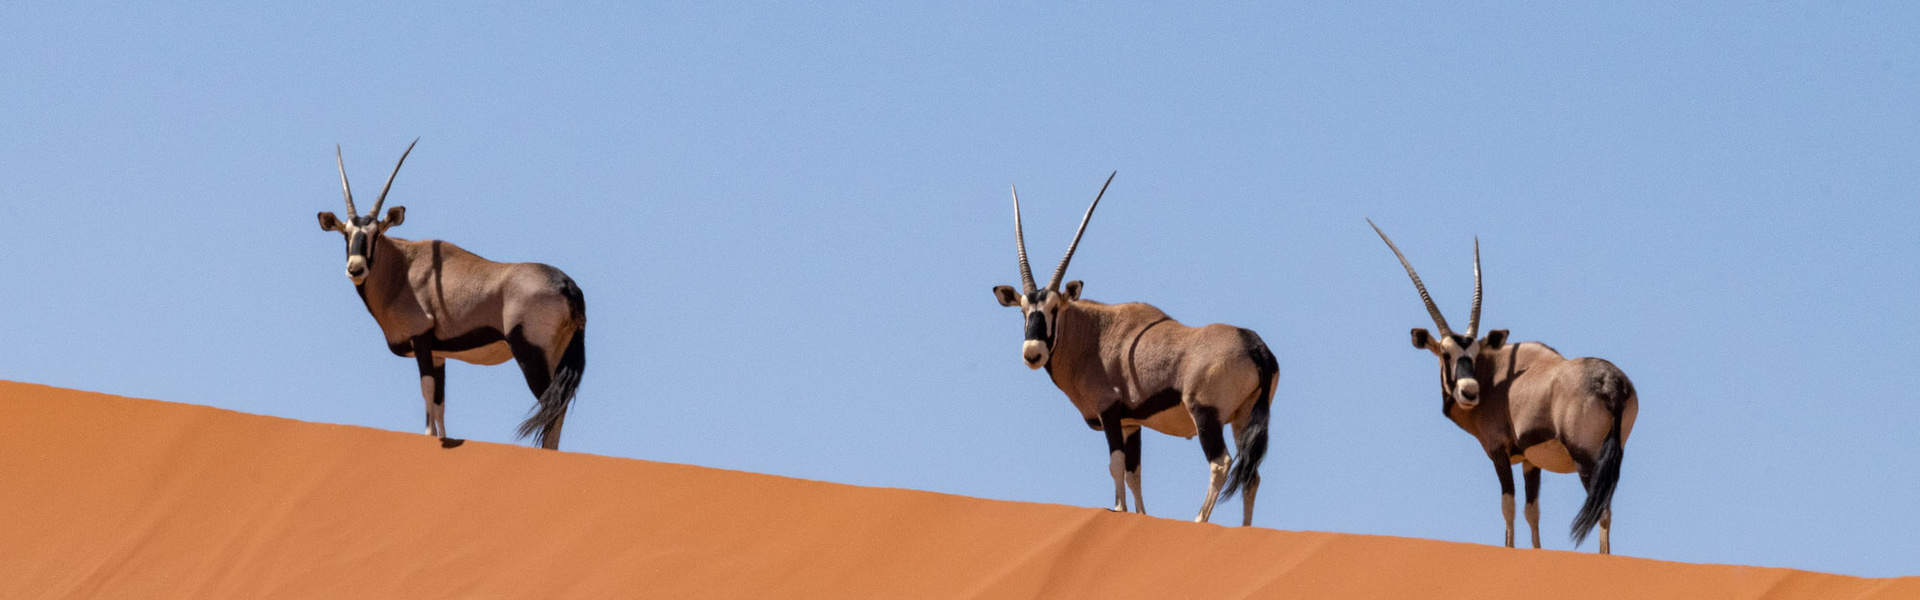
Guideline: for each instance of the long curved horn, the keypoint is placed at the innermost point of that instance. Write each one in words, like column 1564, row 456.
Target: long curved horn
column 344, row 188
column 396, row 171
column 1473, row 322
column 1438, row 321
column 1020, row 238
column 1062, row 270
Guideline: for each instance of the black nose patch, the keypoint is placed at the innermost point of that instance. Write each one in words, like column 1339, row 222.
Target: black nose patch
column 1462, row 368
column 1037, row 327
column 357, row 244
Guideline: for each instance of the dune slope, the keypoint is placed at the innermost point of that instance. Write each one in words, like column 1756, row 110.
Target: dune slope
column 103, row 496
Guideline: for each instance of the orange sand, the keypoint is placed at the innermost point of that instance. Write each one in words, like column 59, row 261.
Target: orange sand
column 103, row 496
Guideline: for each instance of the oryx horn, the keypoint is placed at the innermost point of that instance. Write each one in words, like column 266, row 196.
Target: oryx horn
column 1062, row 270
column 344, row 188
column 1020, row 238
column 396, row 171
column 1438, row 321
column 1473, row 321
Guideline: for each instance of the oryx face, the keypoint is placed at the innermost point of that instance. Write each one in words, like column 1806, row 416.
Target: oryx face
column 1040, row 306
column 1040, row 310
column 1459, row 354
column 1459, row 357
column 361, row 234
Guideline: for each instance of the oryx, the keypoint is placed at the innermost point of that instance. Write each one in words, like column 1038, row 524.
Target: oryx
column 1128, row 365
column 1529, row 405
column 435, row 301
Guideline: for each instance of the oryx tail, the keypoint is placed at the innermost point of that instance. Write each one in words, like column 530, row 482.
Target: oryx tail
column 1253, row 440
column 1614, row 390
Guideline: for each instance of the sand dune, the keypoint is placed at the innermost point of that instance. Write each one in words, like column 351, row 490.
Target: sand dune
column 103, row 496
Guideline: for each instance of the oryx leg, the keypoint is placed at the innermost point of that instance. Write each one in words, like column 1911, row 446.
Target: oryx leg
column 1251, row 487
column 1117, row 455
column 1503, row 464
column 1606, row 516
column 1133, row 468
column 537, row 367
column 433, row 384
column 1214, row 444
column 1532, row 475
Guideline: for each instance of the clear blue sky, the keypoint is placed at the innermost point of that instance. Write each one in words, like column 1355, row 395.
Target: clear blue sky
column 787, row 220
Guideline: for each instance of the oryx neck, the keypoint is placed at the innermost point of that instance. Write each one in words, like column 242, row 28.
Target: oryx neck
column 1074, row 327
column 387, row 273
column 1497, row 367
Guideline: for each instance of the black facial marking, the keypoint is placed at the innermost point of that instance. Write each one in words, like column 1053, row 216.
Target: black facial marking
column 1037, row 328
column 357, row 244
column 1462, row 368
column 1463, row 341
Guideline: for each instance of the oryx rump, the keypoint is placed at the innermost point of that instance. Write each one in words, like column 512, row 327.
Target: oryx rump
column 1125, row 366
column 434, row 301
column 1527, row 404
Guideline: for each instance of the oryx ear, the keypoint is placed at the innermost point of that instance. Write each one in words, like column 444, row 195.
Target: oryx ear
column 1422, row 339
column 1006, row 295
column 395, row 216
column 328, row 222
column 1072, row 289
column 1495, row 339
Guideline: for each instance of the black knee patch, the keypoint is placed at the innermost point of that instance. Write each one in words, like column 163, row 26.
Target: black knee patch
column 1133, row 452
column 1212, row 442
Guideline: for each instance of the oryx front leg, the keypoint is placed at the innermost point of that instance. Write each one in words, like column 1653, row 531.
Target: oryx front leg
column 433, row 385
column 1133, row 468
column 1117, row 455
column 1503, row 464
column 1218, row 461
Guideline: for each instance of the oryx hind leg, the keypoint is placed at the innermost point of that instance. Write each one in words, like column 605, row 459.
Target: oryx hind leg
column 1207, row 421
column 1606, row 516
column 1252, row 486
column 532, row 358
column 1606, row 527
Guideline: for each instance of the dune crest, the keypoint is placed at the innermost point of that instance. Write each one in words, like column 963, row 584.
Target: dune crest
column 104, row 496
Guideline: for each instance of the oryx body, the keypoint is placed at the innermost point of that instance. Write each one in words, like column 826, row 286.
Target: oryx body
column 1527, row 404
column 434, row 300
column 1127, row 366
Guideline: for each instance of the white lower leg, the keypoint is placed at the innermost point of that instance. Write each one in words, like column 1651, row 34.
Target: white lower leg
column 433, row 416
column 436, row 419
column 1606, row 525
column 1246, row 501
column 1117, row 464
column 1218, row 480
column 1533, row 521
column 1506, row 510
column 1133, row 481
